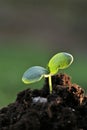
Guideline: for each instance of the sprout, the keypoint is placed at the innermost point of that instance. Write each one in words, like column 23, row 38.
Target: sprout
column 36, row 73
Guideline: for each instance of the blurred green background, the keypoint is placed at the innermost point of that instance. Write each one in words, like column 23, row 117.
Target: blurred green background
column 31, row 32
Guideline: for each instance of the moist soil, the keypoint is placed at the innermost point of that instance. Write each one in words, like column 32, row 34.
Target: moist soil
column 64, row 109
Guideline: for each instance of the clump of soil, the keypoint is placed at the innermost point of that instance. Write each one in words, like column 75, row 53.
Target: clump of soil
column 64, row 109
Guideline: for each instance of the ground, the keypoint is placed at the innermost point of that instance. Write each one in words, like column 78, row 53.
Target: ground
column 64, row 109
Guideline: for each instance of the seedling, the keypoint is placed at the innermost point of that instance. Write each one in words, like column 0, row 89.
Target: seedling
column 36, row 73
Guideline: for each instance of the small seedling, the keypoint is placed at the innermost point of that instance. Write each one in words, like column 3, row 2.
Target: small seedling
column 36, row 73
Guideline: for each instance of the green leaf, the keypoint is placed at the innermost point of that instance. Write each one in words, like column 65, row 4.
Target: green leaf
column 59, row 61
column 34, row 74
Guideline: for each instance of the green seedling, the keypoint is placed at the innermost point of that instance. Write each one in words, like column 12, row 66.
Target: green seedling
column 36, row 73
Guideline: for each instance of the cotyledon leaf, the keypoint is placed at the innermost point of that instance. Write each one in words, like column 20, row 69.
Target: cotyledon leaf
column 34, row 74
column 59, row 61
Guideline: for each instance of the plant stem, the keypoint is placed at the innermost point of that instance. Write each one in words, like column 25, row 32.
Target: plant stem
column 50, row 83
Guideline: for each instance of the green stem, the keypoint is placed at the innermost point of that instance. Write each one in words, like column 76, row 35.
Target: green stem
column 50, row 83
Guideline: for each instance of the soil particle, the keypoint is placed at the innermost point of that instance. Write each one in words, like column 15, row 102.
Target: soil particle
column 64, row 109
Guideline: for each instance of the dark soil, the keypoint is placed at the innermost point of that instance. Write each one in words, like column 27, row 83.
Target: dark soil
column 64, row 109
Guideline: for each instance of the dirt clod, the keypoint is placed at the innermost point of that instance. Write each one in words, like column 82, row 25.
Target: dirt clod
column 64, row 109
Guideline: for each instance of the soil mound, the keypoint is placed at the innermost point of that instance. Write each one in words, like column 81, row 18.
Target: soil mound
column 64, row 109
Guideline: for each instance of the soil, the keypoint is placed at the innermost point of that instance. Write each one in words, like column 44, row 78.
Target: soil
column 64, row 109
